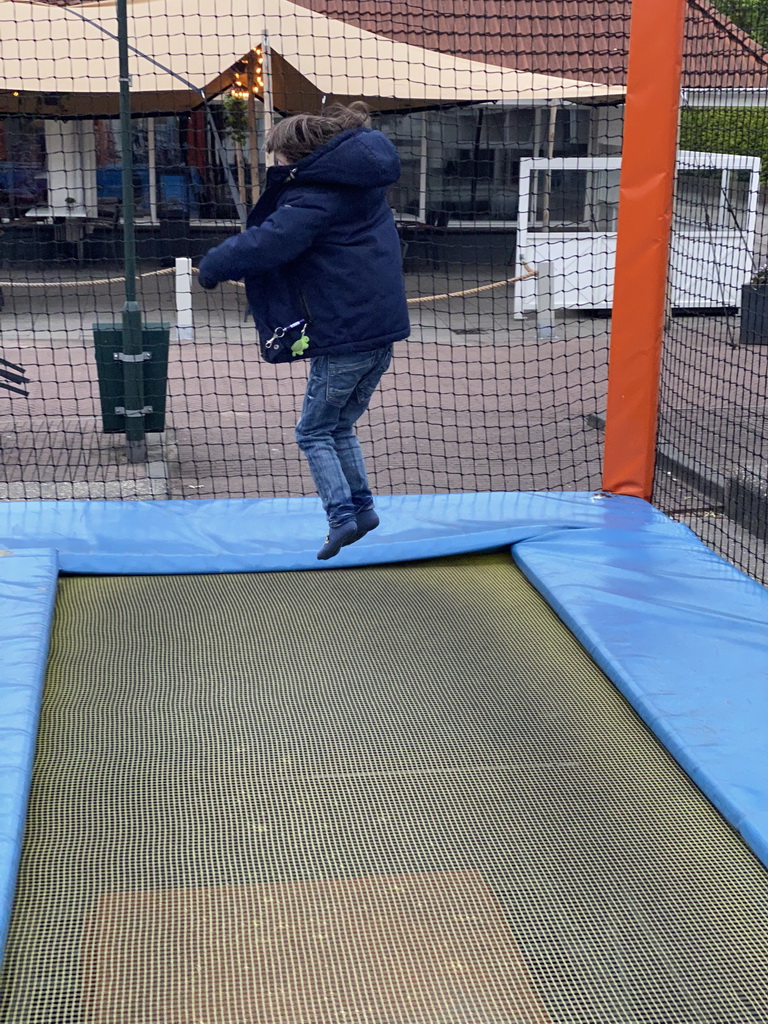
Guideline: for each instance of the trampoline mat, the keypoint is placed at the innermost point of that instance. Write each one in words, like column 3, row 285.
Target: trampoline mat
column 394, row 795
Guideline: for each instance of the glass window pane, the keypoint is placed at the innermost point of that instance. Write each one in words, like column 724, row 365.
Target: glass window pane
column 574, row 200
column 22, row 166
column 698, row 199
column 171, row 161
column 405, row 132
column 473, row 158
column 460, row 164
column 737, row 205
column 109, row 164
column 703, row 203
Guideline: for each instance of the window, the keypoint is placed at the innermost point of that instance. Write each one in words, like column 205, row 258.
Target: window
column 574, row 199
column 109, row 164
column 22, row 166
column 737, row 201
column 709, row 199
column 474, row 160
column 471, row 168
column 405, row 131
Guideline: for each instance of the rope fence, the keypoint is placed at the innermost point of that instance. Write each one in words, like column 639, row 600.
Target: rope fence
column 530, row 272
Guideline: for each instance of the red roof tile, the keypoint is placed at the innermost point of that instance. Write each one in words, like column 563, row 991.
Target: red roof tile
column 577, row 38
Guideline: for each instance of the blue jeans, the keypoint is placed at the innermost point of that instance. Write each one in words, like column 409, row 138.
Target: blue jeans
column 339, row 390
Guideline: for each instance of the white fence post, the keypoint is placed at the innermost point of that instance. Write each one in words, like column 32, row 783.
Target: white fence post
column 185, row 328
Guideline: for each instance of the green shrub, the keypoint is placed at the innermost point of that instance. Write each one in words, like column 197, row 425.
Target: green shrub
column 741, row 130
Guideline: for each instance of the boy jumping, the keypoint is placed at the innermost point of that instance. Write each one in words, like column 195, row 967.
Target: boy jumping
column 320, row 258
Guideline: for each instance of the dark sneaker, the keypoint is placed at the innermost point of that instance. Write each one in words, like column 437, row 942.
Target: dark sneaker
column 366, row 520
column 338, row 537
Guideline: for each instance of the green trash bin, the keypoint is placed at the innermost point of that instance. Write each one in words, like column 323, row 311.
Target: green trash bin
column 108, row 339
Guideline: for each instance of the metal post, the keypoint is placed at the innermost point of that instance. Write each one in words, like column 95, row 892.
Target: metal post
column 253, row 137
column 152, row 168
column 133, row 370
column 547, row 197
column 423, row 170
column 269, row 107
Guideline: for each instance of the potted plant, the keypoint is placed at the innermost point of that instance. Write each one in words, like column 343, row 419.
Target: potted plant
column 753, row 329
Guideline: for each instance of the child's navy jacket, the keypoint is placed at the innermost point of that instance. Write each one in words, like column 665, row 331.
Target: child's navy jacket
column 321, row 246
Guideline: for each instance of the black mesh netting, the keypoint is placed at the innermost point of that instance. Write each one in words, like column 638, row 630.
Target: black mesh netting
column 711, row 469
column 491, row 390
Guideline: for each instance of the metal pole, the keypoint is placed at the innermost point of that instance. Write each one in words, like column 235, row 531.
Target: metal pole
column 547, row 197
column 253, row 138
column 269, row 107
column 423, row 170
column 133, row 370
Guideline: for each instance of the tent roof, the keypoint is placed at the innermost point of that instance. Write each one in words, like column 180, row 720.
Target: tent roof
column 49, row 50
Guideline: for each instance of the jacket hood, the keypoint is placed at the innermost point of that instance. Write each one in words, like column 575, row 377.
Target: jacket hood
column 359, row 156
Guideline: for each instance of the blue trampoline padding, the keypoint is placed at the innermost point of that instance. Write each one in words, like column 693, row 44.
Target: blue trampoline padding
column 684, row 636
column 680, row 632
column 278, row 534
column 27, row 593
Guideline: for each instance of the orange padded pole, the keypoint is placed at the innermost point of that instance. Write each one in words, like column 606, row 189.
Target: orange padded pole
column 642, row 245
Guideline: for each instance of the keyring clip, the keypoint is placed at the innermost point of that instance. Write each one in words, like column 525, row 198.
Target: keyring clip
column 281, row 331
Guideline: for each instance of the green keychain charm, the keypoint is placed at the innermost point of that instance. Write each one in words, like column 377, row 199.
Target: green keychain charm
column 300, row 346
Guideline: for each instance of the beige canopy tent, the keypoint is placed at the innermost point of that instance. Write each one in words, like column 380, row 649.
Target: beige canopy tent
column 53, row 62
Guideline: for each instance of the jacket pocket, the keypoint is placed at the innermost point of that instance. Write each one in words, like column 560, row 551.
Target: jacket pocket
column 306, row 312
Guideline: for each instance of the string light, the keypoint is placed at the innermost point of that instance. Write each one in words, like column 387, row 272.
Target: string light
column 239, row 89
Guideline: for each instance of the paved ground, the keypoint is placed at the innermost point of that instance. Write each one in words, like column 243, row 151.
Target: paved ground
column 476, row 400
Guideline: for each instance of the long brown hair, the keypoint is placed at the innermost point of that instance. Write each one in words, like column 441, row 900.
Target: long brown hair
column 297, row 136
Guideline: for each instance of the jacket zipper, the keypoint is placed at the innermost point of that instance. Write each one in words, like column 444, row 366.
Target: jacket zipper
column 305, row 304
